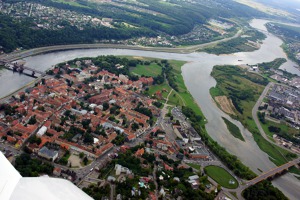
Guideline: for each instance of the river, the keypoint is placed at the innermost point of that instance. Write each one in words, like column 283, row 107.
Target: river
column 197, row 78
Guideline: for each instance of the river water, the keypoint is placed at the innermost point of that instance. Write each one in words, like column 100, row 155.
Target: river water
column 197, row 78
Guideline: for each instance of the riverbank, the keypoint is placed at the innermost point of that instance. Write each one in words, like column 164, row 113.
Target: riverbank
column 244, row 89
column 185, row 50
column 249, row 41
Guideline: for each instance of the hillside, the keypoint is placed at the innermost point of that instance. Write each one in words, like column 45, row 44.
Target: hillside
column 33, row 23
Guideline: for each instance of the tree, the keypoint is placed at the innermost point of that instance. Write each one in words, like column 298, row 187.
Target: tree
column 105, row 106
column 134, row 126
column 32, row 120
column 261, row 117
column 43, row 81
column 81, row 154
column 88, row 138
column 29, row 167
column 34, row 139
column 85, row 160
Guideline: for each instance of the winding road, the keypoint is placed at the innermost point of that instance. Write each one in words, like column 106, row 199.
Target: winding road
column 257, row 122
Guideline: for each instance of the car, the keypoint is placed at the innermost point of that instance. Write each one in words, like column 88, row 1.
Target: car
column 92, row 169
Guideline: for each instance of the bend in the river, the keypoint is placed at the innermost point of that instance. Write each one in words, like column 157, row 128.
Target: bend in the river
column 197, row 78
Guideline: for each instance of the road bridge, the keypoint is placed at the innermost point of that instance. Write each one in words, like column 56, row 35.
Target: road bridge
column 19, row 67
column 271, row 174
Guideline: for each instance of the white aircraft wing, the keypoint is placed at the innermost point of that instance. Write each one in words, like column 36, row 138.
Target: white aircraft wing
column 14, row 187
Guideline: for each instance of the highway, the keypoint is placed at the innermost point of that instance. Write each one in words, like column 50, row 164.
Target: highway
column 31, row 52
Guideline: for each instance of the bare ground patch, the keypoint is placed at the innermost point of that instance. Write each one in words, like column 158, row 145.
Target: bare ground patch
column 75, row 160
column 225, row 104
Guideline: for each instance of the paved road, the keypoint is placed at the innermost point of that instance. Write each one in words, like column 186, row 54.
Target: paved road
column 257, row 122
column 112, row 191
column 155, row 182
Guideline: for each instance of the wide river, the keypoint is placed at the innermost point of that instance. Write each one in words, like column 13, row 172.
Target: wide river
column 197, row 78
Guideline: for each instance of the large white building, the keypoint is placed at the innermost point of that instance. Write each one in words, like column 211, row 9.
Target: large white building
column 42, row 131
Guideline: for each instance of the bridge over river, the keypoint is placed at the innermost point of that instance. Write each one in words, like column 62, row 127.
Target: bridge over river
column 19, row 67
column 272, row 173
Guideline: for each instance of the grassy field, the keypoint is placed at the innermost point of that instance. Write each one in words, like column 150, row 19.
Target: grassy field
column 233, row 129
column 246, row 88
column 147, row 70
column 221, row 176
column 195, row 166
column 180, row 98
column 214, row 92
column 285, row 128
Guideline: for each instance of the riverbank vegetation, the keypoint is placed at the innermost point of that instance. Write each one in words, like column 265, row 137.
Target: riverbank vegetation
column 221, row 176
column 275, row 64
column 244, row 88
column 290, row 35
column 231, row 161
column 233, row 129
column 264, row 191
column 249, row 41
column 267, row 69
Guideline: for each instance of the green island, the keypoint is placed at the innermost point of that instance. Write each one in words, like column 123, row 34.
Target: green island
column 249, row 41
column 267, row 69
column 244, row 88
column 233, row 129
column 275, row 64
column 221, row 176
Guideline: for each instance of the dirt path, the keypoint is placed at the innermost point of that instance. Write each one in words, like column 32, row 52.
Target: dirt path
column 225, row 104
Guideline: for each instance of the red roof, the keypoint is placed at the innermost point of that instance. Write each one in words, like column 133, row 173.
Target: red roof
column 167, row 167
column 140, row 152
column 131, row 137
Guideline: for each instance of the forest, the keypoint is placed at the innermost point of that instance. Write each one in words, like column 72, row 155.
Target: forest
column 14, row 34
